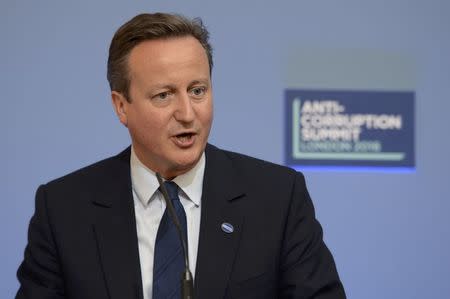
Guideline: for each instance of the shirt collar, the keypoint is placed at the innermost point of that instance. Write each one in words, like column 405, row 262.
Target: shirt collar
column 145, row 183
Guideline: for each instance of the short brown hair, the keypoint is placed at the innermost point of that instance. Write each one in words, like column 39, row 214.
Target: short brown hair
column 147, row 27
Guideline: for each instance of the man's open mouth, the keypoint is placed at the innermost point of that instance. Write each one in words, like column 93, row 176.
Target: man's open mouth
column 184, row 137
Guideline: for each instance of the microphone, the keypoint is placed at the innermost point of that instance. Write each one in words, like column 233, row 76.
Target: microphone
column 187, row 286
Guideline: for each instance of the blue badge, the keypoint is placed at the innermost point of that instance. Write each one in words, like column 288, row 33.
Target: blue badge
column 227, row 227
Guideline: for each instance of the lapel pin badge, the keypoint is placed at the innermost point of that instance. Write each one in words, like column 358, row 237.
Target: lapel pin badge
column 227, row 227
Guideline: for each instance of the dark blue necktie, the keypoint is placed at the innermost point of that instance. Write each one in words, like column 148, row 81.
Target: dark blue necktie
column 168, row 264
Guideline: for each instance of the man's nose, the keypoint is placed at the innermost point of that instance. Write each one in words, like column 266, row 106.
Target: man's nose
column 184, row 111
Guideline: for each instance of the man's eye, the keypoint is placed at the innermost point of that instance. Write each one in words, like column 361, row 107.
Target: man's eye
column 162, row 95
column 198, row 91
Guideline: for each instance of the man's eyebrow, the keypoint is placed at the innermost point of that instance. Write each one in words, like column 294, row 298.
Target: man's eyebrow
column 199, row 81
column 163, row 86
column 157, row 87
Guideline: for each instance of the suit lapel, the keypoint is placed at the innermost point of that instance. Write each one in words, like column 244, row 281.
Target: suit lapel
column 115, row 230
column 221, row 199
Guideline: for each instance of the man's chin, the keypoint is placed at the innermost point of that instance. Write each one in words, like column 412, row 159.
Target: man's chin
column 188, row 164
column 183, row 165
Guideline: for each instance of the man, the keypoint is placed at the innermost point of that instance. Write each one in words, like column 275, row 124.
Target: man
column 250, row 226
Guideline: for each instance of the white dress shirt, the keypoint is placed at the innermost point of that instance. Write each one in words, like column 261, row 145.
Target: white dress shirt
column 149, row 207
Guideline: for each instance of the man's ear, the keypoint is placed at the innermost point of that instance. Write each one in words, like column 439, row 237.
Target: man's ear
column 120, row 105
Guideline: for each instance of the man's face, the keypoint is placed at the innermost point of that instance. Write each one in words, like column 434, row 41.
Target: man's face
column 170, row 110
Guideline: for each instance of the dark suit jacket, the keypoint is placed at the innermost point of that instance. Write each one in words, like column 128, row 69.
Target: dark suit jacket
column 83, row 242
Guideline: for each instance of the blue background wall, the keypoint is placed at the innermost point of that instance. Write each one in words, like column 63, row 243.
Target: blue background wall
column 389, row 232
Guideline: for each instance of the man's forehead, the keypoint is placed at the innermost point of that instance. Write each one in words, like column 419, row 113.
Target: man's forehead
column 167, row 51
column 155, row 46
column 159, row 63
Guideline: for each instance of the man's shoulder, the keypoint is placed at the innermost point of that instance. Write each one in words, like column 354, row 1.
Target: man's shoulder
column 96, row 173
column 268, row 183
column 251, row 165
